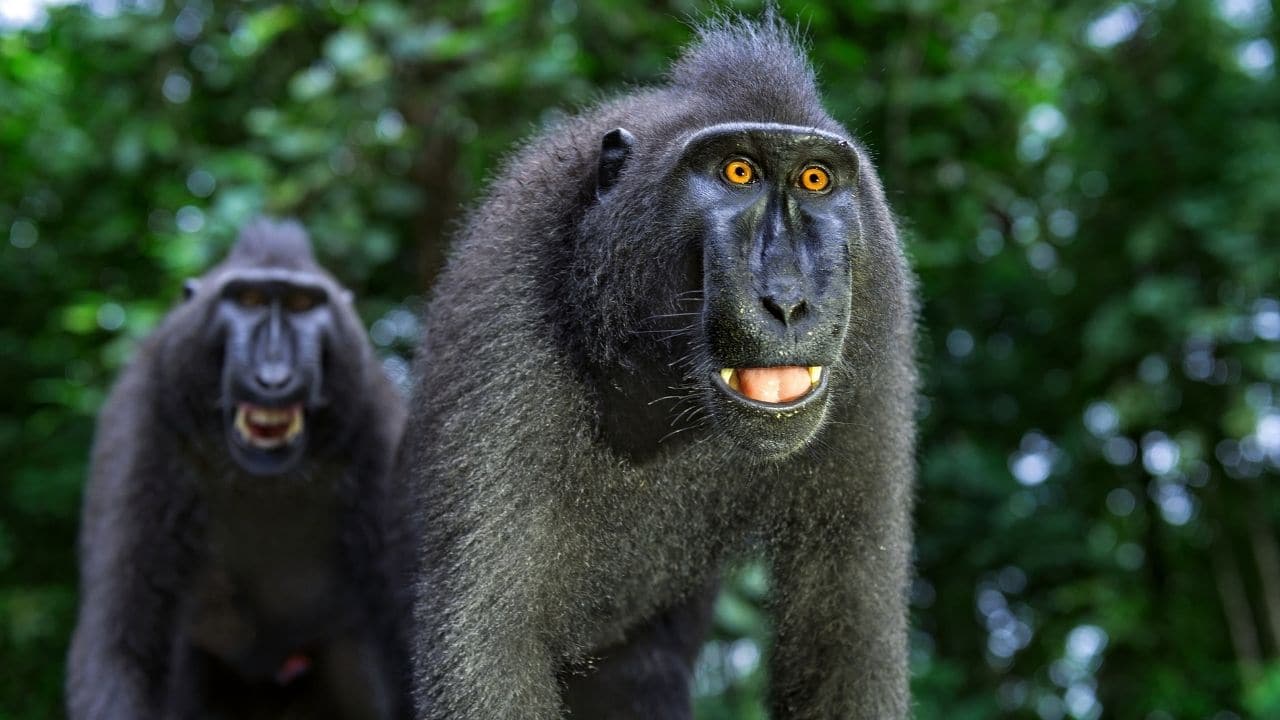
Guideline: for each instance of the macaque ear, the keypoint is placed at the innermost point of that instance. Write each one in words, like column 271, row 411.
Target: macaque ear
column 190, row 287
column 615, row 148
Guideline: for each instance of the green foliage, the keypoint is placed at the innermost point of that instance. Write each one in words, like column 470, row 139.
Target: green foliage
column 1090, row 193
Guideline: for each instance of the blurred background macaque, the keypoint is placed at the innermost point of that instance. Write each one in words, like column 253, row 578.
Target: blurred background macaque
column 244, row 551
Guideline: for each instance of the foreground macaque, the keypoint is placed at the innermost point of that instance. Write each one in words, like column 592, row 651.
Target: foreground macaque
column 680, row 327
column 242, row 549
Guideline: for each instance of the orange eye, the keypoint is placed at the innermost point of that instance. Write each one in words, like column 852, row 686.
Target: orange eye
column 815, row 179
column 300, row 301
column 739, row 172
column 251, row 297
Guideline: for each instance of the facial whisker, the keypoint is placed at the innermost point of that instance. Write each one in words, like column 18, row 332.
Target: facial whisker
column 667, row 333
column 671, row 315
column 655, row 401
column 677, row 431
column 686, row 412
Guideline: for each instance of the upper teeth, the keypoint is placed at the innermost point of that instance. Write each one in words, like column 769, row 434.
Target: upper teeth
column 265, row 416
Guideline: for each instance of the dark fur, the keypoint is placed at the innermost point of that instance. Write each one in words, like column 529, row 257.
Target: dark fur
column 578, row 494
column 197, row 578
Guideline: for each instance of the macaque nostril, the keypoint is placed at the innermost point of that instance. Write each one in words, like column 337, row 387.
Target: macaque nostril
column 788, row 310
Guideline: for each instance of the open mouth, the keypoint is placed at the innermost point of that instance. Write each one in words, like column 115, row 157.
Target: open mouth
column 779, row 388
column 268, row 428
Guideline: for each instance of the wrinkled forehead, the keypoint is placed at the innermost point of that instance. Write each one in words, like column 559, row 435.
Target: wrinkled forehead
column 769, row 140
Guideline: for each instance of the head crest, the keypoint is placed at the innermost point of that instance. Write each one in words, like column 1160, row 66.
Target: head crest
column 267, row 242
column 747, row 65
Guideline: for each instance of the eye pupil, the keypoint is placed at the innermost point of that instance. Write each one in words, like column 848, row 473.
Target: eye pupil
column 738, row 172
column 815, row 179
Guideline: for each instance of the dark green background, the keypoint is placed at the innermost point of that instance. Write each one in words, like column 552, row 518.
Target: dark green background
column 1090, row 192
